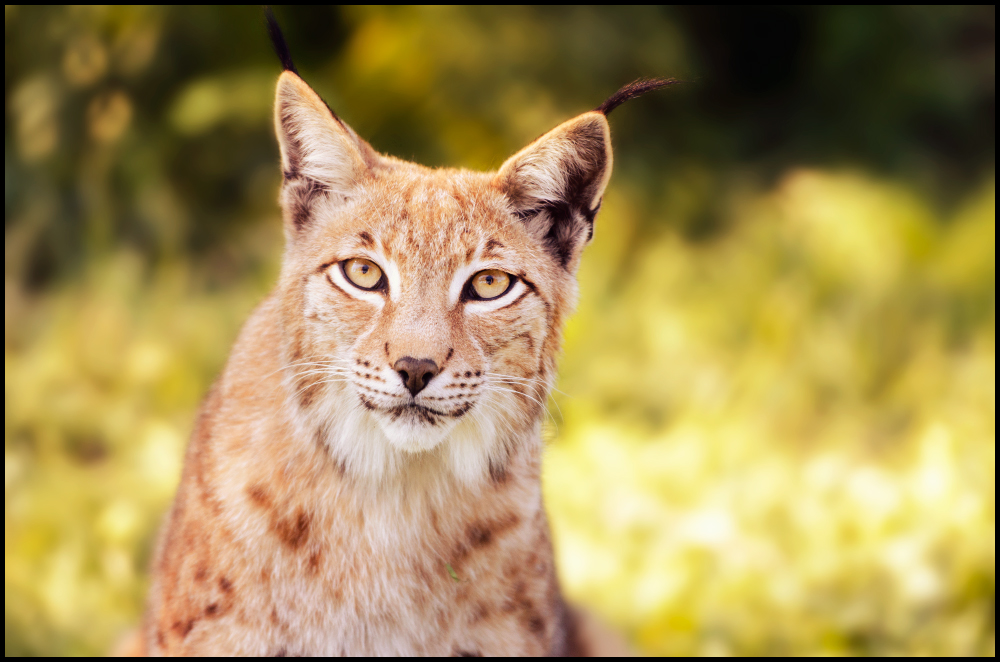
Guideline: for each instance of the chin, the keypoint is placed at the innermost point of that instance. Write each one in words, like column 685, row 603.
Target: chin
column 415, row 430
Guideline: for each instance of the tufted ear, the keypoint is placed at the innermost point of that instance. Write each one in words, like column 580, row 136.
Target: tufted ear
column 555, row 184
column 320, row 154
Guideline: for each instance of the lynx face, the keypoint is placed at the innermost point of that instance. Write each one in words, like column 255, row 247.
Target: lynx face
column 409, row 350
column 423, row 307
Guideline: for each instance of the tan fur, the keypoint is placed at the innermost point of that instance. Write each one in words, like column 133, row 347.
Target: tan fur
column 318, row 513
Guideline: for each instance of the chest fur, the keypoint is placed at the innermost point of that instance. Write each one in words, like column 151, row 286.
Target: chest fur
column 270, row 559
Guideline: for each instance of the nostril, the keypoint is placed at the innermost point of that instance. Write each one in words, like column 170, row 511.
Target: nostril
column 415, row 373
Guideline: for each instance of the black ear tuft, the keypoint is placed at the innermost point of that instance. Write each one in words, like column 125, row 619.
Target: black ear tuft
column 278, row 41
column 634, row 89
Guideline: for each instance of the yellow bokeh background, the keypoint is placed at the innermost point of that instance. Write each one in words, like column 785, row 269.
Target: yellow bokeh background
column 776, row 438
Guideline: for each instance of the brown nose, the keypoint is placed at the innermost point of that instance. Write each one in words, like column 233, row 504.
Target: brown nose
column 416, row 373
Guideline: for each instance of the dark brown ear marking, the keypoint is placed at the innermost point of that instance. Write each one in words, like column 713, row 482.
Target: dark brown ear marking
column 569, row 223
column 634, row 89
column 301, row 194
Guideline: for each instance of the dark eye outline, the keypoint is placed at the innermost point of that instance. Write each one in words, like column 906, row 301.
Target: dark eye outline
column 380, row 286
column 469, row 292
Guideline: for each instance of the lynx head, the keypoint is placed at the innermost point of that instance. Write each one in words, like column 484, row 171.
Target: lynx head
column 422, row 307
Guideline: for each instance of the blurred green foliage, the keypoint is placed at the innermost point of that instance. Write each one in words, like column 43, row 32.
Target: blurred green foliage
column 775, row 431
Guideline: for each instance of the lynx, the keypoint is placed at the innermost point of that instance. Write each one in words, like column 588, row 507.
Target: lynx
column 364, row 476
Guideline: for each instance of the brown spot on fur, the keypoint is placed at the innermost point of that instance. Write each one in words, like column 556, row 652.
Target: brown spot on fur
column 211, row 609
column 478, row 536
column 461, row 653
column 366, row 240
column 200, row 573
column 259, row 495
column 482, row 533
column 293, row 531
column 319, row 437
column 314, row 561
column 498, row 473
column 183, row 628
column 534, row 621
column 481, row 613
column 498, row 467
column 451, row 350
column 225, row 585
column 386, row 349
column 307, row 395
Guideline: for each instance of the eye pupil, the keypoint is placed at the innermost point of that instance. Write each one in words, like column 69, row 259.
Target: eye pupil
column 364, row 268
column 489, row 280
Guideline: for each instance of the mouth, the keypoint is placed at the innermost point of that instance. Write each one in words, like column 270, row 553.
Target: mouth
column 416, row 413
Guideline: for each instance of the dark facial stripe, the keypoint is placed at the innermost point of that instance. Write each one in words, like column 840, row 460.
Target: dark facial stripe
column 491, row 247
column 335, row 286
column 526, row 292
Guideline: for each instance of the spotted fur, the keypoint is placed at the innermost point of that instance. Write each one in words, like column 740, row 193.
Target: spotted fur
column 323, row 509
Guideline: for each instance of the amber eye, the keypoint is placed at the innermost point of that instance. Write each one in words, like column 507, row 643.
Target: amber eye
column 363, row 273
column 490, row 284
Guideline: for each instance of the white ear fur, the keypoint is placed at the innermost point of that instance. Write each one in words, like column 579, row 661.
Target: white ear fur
column 556, row 183
column 578, row 148
column 315, row 144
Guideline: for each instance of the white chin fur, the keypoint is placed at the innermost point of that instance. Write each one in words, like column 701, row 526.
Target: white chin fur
column 374, row 446
column 408, row 433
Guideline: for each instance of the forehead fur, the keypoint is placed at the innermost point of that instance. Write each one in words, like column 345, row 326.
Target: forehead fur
column 407, row 210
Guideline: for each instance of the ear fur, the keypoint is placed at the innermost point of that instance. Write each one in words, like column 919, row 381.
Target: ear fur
column 556, row 183
column 319, row 153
